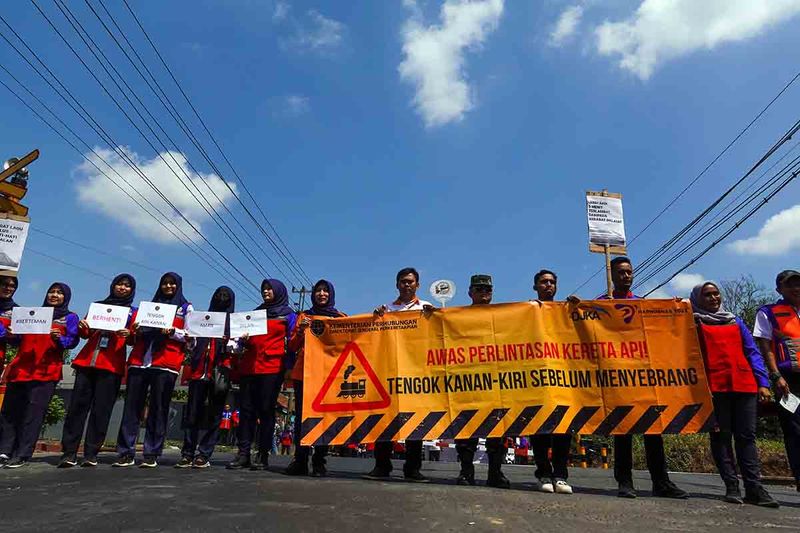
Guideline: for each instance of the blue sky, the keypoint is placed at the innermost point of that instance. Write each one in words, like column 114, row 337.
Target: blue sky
column 458, row 138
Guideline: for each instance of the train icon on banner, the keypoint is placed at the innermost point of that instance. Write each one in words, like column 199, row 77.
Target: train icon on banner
column 352, row 389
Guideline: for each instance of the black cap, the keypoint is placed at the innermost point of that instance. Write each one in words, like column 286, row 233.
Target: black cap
column 480, row 280
column 785, row 276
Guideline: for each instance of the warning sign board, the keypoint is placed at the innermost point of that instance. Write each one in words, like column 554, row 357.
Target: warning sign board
column 604, row 367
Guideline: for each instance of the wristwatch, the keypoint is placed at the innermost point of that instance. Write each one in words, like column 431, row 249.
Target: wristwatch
column 774, row 377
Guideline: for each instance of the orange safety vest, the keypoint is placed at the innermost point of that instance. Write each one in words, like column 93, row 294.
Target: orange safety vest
column 786, row 335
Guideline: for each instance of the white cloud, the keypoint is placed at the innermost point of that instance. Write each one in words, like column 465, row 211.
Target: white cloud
column 297, row 104
column 566, row 26
column 95, row 192
column 434, row 56
column 659, row 294
column 660, row 30
column 684, row 282
column 281, row 11
column 778, row 235
column 317, row 34
column 128, row 248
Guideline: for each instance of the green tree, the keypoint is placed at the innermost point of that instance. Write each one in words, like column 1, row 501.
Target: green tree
column 56, row 411
column 743, row 296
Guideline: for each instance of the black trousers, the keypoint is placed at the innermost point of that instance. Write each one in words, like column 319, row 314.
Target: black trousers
column 383, row 455
column 736, row 417
column 555, row 467
column 654, row 454
column 160, row 383
column 466, row 448
column 301, row 453
column 259, row 397
column 790, row 425
column 22, row 415
column 95, row 391
column 201, row 419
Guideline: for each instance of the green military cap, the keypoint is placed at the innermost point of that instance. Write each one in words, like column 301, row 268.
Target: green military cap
column 480, row 279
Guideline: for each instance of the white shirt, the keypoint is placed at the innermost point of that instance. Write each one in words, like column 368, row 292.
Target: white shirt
column 178, row 335
column 414, row 305
column 763, row 327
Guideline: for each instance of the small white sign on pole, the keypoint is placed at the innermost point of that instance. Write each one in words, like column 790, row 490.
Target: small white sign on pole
column 13, row 234
column 31, row 320
column 606, row 221
column 443, row 291
column 206, row 324
column 156, row 315
column 253, row 323
column 107, row 317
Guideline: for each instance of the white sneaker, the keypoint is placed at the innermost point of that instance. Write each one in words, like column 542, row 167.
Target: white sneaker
column 546, row 485
column 562, row 487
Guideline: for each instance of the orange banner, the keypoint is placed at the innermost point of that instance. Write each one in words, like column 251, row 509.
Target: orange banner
column 605, row 367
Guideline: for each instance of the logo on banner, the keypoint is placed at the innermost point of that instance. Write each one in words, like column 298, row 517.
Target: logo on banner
column 357, row 386
column 317, row 327
column 628, row 311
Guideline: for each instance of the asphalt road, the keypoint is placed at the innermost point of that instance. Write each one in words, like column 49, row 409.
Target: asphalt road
column 42, row 498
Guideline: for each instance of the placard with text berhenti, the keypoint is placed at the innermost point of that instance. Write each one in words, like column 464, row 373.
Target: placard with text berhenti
column 251, row 322
column 31, row 320
column 107, row 317
column 207, row 324
column 156, row 315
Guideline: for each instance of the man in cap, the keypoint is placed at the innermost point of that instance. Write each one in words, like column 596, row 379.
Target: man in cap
column 777, row 332
column 480, row 291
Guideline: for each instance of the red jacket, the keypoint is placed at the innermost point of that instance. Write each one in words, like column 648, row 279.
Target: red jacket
column 727, row 367
column 169, row 355
column 207, row 362
column 5, row 321
column 264, row 354
column 40, row 358
column 296, row 345
column 112, row 357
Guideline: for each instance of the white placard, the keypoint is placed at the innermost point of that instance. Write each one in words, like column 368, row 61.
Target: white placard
column 107, row 317
column 790, row 402
column 252, row 322
column 31, row 320
column 606, row 222
column 156, row 315
column 443, row 290
column 13, row 234
column 208, row 324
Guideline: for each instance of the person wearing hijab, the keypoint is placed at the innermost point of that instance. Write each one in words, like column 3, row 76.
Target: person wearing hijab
column 153, row 366
column 8, row 286
column 261, row 367
column 99, row 368
column 323, row 304
column 737, row 378
column 32, row 378
column 207, row 398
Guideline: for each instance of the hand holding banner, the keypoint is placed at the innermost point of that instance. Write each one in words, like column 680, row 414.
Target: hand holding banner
column 251, row 322
column 207, row 324
column 31, row 320
column 107, row 317
column 156, row 315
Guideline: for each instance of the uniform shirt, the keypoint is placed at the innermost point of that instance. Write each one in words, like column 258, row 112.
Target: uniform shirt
column 763, row 327
column 179, row 335
column 414, row 305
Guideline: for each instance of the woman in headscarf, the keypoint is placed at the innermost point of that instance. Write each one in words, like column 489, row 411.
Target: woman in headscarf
column 8, row 286
column 32, row 377
column 207, row 395
column 99, row 368
column 153, row 366
column 261, row 368
column 737, row 378
column 323, row 304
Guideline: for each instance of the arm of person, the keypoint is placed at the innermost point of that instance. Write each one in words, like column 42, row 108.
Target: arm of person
column 179, row 334
column 84, row 331
column 291, row 355
column 763, row 332
column 756, row 360
column 298, row 333
column 70, row 338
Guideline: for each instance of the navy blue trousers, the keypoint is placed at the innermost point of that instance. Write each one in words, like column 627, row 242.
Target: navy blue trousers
column 201, row 420
column 22, row 415
column 160, row 383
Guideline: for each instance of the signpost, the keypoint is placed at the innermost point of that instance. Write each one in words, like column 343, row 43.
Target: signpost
column 606, row 227
column 14, row 220
column 443, row 291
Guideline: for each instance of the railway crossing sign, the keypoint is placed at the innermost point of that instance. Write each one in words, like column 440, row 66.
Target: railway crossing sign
column 354, row 387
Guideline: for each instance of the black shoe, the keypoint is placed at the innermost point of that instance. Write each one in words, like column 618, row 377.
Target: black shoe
column 89, row 462
column 319, row 470
column 149, row 462
column 732, row 494
column 296, row 468
column 626, row 490
column 124, row 461
column 261, row 462
column 378, row 474
column 201, row 462
column 68, row 460
column 185, row 462
column 415, row 476
column 17, row 462
column 465, row 479
column 759, row 496
column 241, row 462
column 498, row 481
column 668, row 489
column 4, row 460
